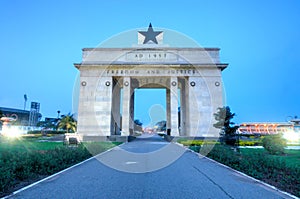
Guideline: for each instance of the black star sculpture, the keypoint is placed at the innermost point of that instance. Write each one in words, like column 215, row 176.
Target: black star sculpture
column 150, row 35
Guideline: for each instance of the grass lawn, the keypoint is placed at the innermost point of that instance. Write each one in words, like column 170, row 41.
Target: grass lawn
column 35, row 145
column 39, row 143
column 27, row 145
column 25, row 160
column 95, row 148
column 291, row 157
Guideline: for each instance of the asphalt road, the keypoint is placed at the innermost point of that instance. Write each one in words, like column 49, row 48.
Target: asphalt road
column 149, row 168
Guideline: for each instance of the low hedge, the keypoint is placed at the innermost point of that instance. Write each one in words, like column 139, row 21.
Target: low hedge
column 259, row 165
column 250, row 143
column 197, row 142
column 201, row 142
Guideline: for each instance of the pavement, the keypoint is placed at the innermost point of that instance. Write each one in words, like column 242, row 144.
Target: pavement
column 149, row 167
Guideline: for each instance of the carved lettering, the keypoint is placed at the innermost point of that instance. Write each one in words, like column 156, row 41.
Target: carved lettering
column 151, row 72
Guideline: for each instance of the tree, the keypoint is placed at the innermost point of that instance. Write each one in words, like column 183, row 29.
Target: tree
column 138, row 122
column 224, row 123
column 138, row 125
column 161, row 126
column 67, row 122
column 47, row 124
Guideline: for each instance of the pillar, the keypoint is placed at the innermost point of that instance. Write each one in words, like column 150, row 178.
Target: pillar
column 116, row 123
column 183, row 107
column 131, row 108
column 187, row 107
column 168, row 125
column 102, row 109
column 126, row 106
column 174, row 106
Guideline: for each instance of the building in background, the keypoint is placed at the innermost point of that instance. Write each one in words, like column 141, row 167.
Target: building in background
column 265, row 128
column 23, row 117
column 290, row 129
column 34, row 115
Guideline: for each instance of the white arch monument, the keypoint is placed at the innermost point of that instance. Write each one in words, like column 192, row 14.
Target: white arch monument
column 109, row 76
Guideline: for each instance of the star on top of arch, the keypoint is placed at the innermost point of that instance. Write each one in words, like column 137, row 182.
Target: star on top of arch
column 150, row 35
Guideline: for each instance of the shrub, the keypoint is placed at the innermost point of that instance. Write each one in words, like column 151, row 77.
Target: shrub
column 230, row 140
column 34, row 132
column 274, row 144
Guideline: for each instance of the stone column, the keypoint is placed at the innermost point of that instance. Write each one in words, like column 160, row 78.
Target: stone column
column 168, row 125
column 126, row 106
column 102, row 107
column 183, row 105
column 214, row 85
column 174, row 106
column 131, row 118
column 187, row 107
column 194, row 103
column 200, row 107
column 116, row 123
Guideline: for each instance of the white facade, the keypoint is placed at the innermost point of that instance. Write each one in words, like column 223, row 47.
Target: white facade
column 194, row 73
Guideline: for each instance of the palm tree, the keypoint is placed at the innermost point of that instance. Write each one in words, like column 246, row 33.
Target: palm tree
column 68, row 122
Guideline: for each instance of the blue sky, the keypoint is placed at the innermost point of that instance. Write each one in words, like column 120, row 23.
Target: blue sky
column 40, row 41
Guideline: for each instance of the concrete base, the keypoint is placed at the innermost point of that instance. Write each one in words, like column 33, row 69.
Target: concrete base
column 95, row 138
column 176, row 138
column 131, row 138
column 168, row 138
column 114, row 138
column 118, row 138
